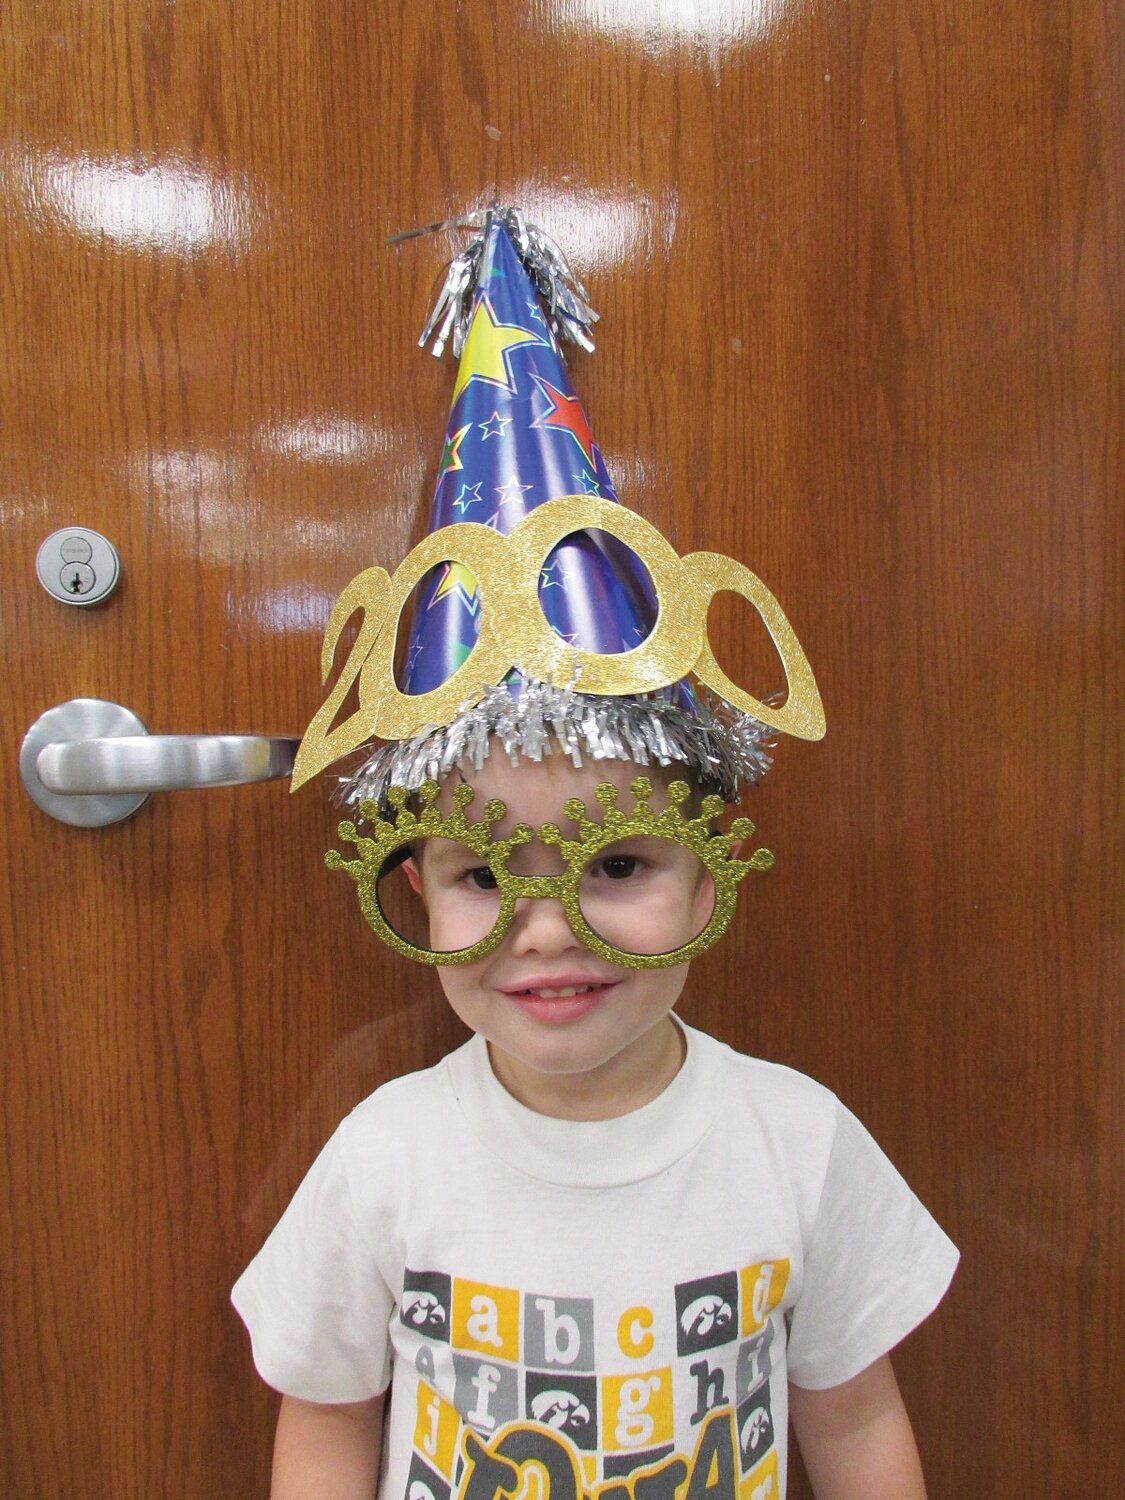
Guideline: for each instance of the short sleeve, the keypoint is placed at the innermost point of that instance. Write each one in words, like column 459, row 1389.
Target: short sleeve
column 876, row 1264
column 312, row 1299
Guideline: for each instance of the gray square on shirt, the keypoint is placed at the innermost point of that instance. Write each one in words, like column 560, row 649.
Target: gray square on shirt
column 753, row 1363
column 486, row 1393
column 558, row 1332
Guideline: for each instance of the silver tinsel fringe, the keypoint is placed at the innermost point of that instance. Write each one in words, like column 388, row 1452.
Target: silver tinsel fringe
column 720, row 747
column 569, row 314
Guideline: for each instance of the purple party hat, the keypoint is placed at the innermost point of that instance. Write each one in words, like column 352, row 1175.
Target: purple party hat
column 517, row 436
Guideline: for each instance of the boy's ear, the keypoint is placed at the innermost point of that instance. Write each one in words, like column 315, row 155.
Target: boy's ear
column 410, row 869
column 704, row 905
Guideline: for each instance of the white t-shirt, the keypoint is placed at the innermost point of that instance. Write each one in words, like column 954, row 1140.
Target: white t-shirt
column 617, row 1305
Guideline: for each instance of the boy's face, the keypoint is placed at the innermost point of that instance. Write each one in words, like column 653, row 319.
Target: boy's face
column 568, row 1031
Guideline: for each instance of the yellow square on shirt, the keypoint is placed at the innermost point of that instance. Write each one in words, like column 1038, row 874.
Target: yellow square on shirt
column 636, row 1410
column 761, row 1288
column 435, row 1430
column 486, row 1320
column 762, row 1482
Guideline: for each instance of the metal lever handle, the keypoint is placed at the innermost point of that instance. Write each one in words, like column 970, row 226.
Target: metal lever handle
column 91, row 763
column 161, row 763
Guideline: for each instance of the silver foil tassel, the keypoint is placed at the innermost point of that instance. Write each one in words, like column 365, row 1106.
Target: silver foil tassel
column 530, row 719
column 565, row 300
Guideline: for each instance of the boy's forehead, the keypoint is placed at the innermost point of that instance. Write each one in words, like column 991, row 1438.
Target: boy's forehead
column 534, row 791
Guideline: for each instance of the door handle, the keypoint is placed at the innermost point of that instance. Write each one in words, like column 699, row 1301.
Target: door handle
column 161, row 763
column 90, row 763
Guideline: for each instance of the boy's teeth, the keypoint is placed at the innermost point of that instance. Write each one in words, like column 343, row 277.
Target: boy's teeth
column 564, row 994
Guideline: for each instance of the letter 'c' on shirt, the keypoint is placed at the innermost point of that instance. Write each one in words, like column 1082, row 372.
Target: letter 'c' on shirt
column 634, row 1332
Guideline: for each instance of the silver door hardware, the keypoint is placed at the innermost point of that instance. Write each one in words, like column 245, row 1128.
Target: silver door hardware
column 78, row 566
column 90, row 763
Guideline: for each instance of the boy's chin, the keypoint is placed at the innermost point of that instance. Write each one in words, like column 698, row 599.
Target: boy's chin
column 564, row 1063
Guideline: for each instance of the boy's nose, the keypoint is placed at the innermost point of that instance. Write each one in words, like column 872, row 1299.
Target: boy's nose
column 539, row 925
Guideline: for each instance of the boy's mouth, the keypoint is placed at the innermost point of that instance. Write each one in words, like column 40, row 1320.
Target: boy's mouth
column 566, row 993
column 559, row 1003
column 556, row 987
column 566, row 999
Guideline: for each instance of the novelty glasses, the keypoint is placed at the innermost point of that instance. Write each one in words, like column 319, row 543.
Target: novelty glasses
column 644, row 890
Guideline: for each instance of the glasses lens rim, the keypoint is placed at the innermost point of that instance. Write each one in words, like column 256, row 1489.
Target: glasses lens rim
column 706, row 938
column 695, row 945
column 384, row 928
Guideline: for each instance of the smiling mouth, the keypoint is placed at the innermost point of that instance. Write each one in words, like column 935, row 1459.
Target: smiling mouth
column 587, row 990
column 560, row 994
column 564, row 993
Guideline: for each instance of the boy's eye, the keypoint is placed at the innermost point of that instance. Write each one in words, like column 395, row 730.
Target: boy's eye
column 618, row 866
column 481, row 878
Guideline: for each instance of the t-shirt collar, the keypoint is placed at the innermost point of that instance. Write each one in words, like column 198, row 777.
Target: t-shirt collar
column 586, row 1153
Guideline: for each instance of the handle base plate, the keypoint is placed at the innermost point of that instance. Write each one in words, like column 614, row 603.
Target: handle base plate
column 80, row 719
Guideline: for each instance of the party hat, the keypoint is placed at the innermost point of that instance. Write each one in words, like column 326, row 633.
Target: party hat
column 546, row 615
column 517, row 436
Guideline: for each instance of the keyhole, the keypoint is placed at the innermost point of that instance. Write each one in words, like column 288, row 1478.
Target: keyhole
column 77, row 579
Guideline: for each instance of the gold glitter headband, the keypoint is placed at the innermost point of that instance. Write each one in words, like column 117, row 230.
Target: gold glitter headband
column 514, row 632
column 404, row 828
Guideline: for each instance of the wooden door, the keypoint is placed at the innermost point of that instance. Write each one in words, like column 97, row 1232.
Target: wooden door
column 859, row 270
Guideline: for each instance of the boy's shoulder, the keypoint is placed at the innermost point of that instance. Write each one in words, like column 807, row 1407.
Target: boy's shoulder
column 417, row 1094
column 758, row 1077
column 378, row 1143
column 798, row 1123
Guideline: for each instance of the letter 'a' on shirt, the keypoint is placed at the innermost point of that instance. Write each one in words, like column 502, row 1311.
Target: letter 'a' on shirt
column 606, row 1297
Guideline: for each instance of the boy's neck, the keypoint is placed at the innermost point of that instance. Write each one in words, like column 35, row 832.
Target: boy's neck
column 625, row 1083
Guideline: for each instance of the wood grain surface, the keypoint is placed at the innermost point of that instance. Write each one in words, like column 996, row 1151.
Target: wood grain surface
column 859, row 269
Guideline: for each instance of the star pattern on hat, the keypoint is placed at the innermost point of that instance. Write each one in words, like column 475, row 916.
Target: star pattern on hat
column 469, row 496
column 556, row 576
column 511, row 491
column 494, row 426
column 494, row 519
column 451, row 452
column 485, row 356
column 456, row 579
column 566, row 415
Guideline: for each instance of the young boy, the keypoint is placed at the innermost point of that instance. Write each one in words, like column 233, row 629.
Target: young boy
column 594, row 1252
column 592, row 1218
